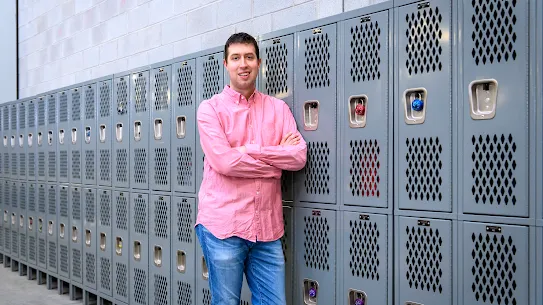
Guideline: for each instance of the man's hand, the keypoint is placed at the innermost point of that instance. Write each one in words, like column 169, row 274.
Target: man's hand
column 290, row 139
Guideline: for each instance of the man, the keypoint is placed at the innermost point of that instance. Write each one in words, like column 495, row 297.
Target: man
column 248, row 138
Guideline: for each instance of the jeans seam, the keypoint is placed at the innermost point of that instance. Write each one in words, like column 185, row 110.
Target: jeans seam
column 261, row 295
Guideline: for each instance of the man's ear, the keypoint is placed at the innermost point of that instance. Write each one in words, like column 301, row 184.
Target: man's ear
column 225, row 62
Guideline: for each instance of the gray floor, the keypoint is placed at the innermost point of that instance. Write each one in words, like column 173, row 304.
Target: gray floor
column 17, row 290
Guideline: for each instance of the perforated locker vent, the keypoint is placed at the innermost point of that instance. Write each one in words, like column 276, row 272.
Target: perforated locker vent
column 89, row 164
column 105, row 100
column 140, row 165
column 89, row 103
column 14, row 242
column 76, row 263
column 121, row 165
column 365, row 51
column 184, row 166
column 14, row 159
column 63, row 202
column 13, row 115
column 317, row 61
column 211, row 78
column 494, row 169
column 41, row 251
column 184, row 293
column 76, row 164
column 161, row 166
column 76, row 106
column 6, row 119
column 22, row 163
column 317, row 243
column 2, row 242
column 161, row 290
column 140, row 286
column 424, row 171
column 63, row 108
column 364, row 249
column 184, row 86
column 365, row 166
column 90, row 207
column 140, row 216
column 207, row 296
column 22, row 116
column 51, row 110
column 161, row 219
column 162, row 91
column 52, row 159
column 317, row 177
column 41, row 200
column 140, row 91
column 276, row 69
column 76, row 204
column 285, row 237
column 494, row 268
column 31, row 164
column 424, row 259
column 6, row 162
column 105, row 164
column 52, row 255
column 64, row 264
column 90, row 268
column 121, row 283
column 7, row 240
column 105, row 209
column 52, row 201
column 22, row 245
column 184, row 222
column 31, row 198
column 22, row 197
column 122, row 96
column 63, row 170
column 31, row 115
column 122, row 212
column 423, row 33
column 494, row 31
column 14, row 196
column 31, row 247
column 105, row 271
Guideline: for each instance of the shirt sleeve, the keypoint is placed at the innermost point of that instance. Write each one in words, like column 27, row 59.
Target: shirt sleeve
column 221, row 156
column 290, row 157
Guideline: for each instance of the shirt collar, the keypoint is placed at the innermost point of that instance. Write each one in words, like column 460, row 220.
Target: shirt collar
column 237, row 97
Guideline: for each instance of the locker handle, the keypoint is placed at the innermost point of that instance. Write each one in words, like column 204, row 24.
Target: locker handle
column 30, row 139
column 357, row 297
column 357, row 111
column 137, row 130
column 158, row 126
column 5, row 141
column 103, row 241
column 102, row 133
column 40, row 225
column 311, row 115
column 158, row 256
column 22, row 221
column 62, row 229
column 88, row 236
column 61, row 136
column 21, row 140
column 181, row 261
column 415, row 104
column 119, row 132
column 87, row 134
column 12, row 141
column 205, row 272
column 74, row 135
column 50, row 137
column 40, row 138
column 50, row 227
column 482, row 99
column 74, row 234
column 137, row 250
column 181, row 126
column 311, row 289
column 119, row 246
column 13, row 219
column 6, row 217
column 30, row 223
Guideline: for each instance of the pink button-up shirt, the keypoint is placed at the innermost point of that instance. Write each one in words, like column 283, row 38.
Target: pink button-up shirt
column 240, row 193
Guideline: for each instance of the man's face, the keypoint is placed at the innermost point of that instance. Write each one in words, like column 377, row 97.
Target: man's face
column 242, row 65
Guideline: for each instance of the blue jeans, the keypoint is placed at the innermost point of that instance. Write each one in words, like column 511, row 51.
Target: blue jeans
column 227, row 260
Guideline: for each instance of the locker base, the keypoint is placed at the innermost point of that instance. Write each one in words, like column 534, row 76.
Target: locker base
column 76, row 293
column 31, row 273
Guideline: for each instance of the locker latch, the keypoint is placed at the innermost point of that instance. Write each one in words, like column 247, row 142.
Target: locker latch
column 205, row 272
column 137, row 250
column 13, row 219
column 119, row 246
column 74, row 234
column 158, row 256
column 102, row 133
column 21, row 140
column 62, row 229
column 61, row 136
column 74, row 135
column 158, row 125
column 311, row 115
column 181, row 261
column 137, row 130
column 87, row 134
column 30, row 223
column 415, row 103
column 310, row 292
column 22, row 221
column 30, row 139
column 6, row 217
column 357, row 111
column 357, row 297
column 483, row 96
column 40, row 138
column 12, row 141
column 181, row 126
column 40, row 225
column 103, row 241
column 50, row 227
column 88, row 236
column 119, row 132
column 50, row 137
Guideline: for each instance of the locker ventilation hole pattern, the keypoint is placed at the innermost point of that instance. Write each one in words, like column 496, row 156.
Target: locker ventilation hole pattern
column 424, row 34
column 76, row 205
column 89, row 207
column 52, row 202
column 63, row 203
column 14, row 164
column 41, row 251
column 41, row 201
column 424, row 169
column 211, row 78
column 161, row 219
column 22, row 163
column 184, row 293
column 140, row 286
column 122, row 280
column 90, row 267
column 31, row 247
column 494, row 31
column 364, row 250
column 41, row 115
column 122, row 212
column 424, row 259
column 52, row 164
column 161, row 166
column 15, row 244
column 365, row 167
column 122, row 96
column 184, row 222
column 162, row 91
column 317, row 243
column 6, row 119
column 207, row 296
column 14, row 197
column 31, row 164
column 22, row 116
column 76, row 164
column 105, row 271
column 494, row 166
column 494, row 267
column 22, row 244
column 365, row 52
column 76, row 106
column 184, row 166
column 105, row 210
column 31, row 115
column 141, row 93
column 76, row 259
column 89, row 164
column 63, row 108
column 64, row 267
column 161, row 290
column 121, row 165
column 22, row 197
column 105, row 100
column 31, row 198
column 140, row 165
column 13, row 111
column 276, row 69
column 7, row 240
column 6, row 162
column 89, row 103
column 317, row 177
column 63, row 164
column 317, row 61
column 52, row 256
column 184, row 86
column 140, row 216
column 104, row 165
column 284, row 238
column 52, row 110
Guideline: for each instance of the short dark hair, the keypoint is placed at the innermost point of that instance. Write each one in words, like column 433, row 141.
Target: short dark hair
column 241, row 38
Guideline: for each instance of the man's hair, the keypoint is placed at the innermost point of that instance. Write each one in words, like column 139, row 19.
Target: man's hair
column 241, row 38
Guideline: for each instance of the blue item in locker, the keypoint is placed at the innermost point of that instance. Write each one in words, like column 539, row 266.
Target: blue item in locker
column 312, row 292
column 417, row 104
column 359, row 302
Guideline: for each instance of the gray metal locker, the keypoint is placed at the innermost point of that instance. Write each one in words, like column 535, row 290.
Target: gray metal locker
column 121, row 141
column 13, row 146
column 105, row 131
column 496, row 106
column 203, row 294
column 425, row 258
column 121, row 255
column 6, row 141
column 183, row 133
column 64, row 232
column 183, row 256
column 105, row 242
column 2, row 212
column 138, row 249
column 423, row 101
column 495, row 264
column 89, row 240
column 7, row 217
column 159, row 137
column 277, row 79
column 364, row 166
column 140, row 130
column 315, row 247
column 51, row 138
column 76, row 235
column 314, row 110
column 42, row 226
column 287, row 242
column 31, row 139
column 14, row 218
column 76, row 127
column 3, row 144
column 21, row 221
column 63, row 136
column 90, row 134
column 41, row 139
column 22, row 144
column 160, row 267
column 52, row 231
column 32, row 221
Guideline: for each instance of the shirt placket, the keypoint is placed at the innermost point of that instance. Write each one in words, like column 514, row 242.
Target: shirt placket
column 258, row 183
